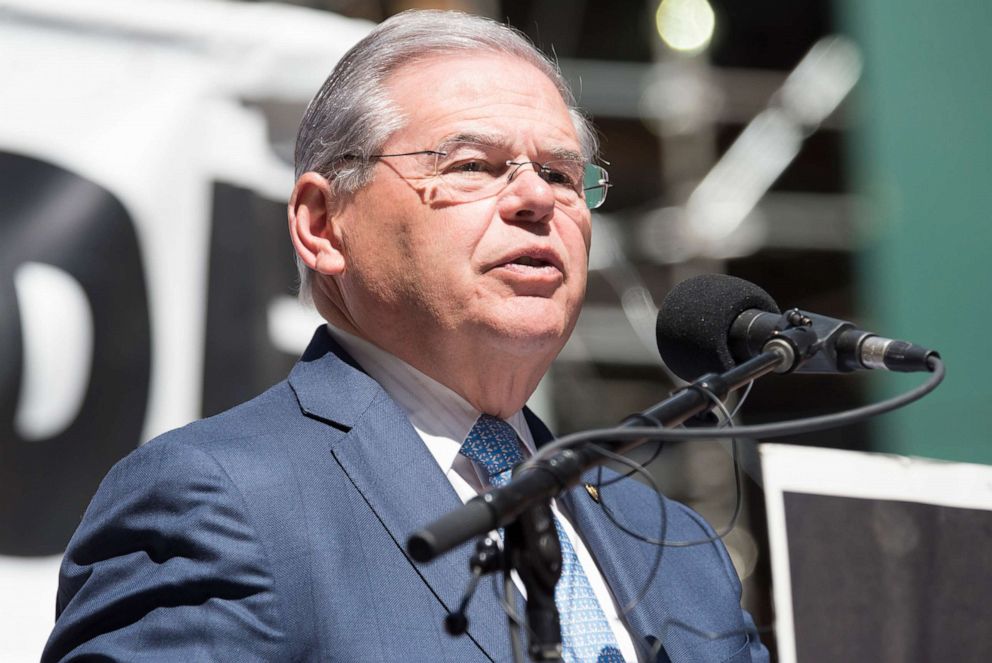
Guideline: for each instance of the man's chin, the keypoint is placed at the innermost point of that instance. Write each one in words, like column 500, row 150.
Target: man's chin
column 539, row 329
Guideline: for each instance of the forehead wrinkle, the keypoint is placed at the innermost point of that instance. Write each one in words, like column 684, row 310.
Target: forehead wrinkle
column 479, row 111
column 501, row 141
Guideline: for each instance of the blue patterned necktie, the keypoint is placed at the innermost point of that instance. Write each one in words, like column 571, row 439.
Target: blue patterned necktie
column 586, row 635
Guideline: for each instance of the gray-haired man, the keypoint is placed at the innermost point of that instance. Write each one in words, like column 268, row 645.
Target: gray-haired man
column 441, row 221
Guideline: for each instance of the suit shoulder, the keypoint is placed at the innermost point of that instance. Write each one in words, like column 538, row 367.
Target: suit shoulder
column 198, row 451
column 168, row 547
column 266, row 412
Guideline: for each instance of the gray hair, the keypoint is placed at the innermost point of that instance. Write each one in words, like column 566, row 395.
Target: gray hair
column 352, row 113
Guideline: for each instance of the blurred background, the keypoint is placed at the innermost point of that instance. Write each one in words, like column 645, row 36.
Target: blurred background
column 830, row 151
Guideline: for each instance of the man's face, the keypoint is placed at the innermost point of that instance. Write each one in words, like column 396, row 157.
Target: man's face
column 506, row 271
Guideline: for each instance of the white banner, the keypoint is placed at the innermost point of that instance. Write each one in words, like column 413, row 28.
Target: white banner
column 878, row 557
column 139, row 197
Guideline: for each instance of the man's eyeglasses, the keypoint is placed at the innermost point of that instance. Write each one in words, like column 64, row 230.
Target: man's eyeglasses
column 470, row 171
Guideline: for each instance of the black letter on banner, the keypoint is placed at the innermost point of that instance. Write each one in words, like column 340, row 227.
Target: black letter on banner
column 56, row 217
column 251, row 264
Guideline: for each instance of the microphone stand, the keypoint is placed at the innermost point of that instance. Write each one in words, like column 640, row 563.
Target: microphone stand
column 523, row 505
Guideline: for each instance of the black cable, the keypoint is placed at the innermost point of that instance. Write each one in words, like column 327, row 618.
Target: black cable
column 663, row 509
column 660, row 446
column 779, row 429
column 515, row 623
column 798, row 426
column 638, row 468
column 738, row 488
column 668, row 624
column 717, row 534
column 741, row 400
column 657, row 452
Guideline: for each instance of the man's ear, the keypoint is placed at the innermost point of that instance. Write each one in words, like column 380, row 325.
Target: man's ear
column 316, row 237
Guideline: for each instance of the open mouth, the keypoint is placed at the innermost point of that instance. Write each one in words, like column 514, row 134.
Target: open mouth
column 528, row 261
column 534, row 260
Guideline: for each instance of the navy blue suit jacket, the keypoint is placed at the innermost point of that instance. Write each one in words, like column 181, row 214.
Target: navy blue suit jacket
column 275, row 532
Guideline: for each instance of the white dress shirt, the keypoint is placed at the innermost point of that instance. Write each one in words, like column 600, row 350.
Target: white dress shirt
column 443, row 420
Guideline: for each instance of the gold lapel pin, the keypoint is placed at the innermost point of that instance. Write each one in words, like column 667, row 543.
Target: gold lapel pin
column 593, row 492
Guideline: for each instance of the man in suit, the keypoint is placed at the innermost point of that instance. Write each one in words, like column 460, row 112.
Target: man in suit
column 441, row 220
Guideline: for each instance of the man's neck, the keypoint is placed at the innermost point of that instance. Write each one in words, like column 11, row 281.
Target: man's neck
column 489, row 379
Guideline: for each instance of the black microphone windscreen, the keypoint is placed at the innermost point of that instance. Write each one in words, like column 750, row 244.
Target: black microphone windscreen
column 693, row 327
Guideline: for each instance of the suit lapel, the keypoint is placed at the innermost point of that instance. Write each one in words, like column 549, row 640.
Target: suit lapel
column 391, row 467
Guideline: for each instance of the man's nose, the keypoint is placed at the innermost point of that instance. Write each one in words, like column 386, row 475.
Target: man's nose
column 527, row 197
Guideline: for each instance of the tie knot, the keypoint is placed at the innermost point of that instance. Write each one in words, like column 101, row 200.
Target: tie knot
column 493, row 444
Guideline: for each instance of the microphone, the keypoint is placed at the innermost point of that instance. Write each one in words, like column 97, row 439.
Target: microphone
column 710, row 323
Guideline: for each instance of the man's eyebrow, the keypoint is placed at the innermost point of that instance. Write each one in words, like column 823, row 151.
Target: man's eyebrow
column 489, row 140
column 566, row 153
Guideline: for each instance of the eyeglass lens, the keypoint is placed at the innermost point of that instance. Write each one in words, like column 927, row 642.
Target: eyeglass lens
column 473, row 171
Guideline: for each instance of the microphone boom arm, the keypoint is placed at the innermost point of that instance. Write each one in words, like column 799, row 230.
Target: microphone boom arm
column 549, row 478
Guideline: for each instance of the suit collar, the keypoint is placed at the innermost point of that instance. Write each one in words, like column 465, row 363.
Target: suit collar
column 541, row 434
column 390, row 466
column 330, row 385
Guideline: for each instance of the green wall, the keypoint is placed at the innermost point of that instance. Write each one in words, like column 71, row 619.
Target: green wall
column 922, row 156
